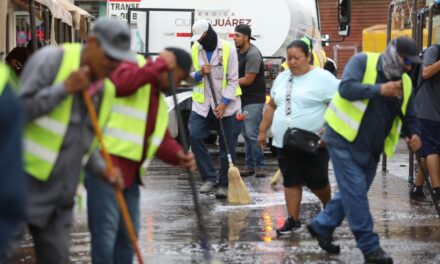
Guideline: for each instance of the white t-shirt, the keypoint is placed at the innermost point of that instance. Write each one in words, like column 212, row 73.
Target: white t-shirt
column 311, row 92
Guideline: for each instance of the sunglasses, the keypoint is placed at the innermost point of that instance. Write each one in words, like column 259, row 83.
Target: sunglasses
column 407, row 61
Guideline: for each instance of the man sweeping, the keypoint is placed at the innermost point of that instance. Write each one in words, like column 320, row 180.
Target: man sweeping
column 58, row 131
column 136, row 131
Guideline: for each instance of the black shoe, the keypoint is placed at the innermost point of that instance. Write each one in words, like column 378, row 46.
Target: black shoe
column 260, row 172
column 324, row 242
column 247, row 172
column 378, row 256
column 417, row 195
column 289, row 226
column 436, row 192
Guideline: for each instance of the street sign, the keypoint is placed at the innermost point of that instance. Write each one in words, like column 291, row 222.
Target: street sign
column 118, row 9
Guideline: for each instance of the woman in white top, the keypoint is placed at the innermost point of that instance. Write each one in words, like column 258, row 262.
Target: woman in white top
column 310, row 89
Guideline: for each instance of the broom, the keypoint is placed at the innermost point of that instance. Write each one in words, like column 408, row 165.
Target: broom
column 182, row 134
column 237, row 191
column 276, row 178
column 110, row 167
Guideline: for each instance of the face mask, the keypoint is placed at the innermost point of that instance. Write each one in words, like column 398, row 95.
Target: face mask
column 209, row 41
column 393, row 68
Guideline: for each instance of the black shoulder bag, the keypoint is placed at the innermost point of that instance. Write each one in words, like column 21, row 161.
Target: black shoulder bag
column 296, row 139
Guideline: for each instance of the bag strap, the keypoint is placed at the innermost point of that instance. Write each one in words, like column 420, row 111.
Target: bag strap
column 289, row 99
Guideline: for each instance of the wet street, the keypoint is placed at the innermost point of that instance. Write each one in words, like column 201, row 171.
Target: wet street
column 246, row 234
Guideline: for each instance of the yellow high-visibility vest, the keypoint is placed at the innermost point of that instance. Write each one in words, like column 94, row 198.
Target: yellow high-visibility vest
column 4, row 76
column 44, row 135
column 345, row 116
column 125, row 128
column 199, row 91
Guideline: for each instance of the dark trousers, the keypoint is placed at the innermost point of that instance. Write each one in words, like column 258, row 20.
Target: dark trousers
column 199, row 128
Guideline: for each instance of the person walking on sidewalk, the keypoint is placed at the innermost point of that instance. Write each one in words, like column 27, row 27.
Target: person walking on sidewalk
column 135, row 114
column 304, row 91
column 253, row 85
column 58, row 132
column 216, row 59
column 427, row 103
column 363, row 122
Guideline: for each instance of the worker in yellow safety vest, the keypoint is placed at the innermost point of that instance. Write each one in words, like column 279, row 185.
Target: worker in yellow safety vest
column 135, row 131
column 214, row 61
column 363, row 120
column 58, row 132
column 319, row 57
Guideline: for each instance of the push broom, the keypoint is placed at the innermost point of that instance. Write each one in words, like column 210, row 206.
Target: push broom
column 237, row 191
column 182, row 134
column 110, row 167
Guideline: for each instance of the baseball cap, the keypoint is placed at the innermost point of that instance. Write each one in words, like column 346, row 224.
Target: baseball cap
column 184, row 62
column 245, row 30
column 114, row 38
column 407, row 48
column 199, row 27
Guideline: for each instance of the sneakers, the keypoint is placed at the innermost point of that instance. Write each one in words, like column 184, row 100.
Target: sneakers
column 247, row 172
column 417, row 195
column 289, row 226
column 378, row 256
column 324, row 242
column 221, row 192
column 207, row 187
column 260, row 172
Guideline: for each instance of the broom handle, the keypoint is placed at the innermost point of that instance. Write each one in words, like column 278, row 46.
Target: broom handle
column 119, row 196
column 182, row 135
column 418, row 158
column 222, row 130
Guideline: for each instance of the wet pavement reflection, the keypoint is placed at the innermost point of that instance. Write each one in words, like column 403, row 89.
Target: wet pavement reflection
column 246, row 234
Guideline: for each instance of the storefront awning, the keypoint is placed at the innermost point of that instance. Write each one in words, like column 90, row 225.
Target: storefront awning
column 57, row 10
column 79, row 15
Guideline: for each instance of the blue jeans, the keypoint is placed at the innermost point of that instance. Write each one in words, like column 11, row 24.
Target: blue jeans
column 351, row 201
column 110, row 242
column 254, row 154
column 199, row 128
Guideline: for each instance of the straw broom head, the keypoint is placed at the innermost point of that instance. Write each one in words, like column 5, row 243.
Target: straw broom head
column 276, row 178
column 237, row 190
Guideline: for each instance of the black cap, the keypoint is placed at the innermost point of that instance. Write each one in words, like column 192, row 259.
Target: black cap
column 244, row 29
column 184, row 62
column 407, row 48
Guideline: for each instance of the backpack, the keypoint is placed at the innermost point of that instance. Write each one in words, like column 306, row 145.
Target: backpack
column 416, row 73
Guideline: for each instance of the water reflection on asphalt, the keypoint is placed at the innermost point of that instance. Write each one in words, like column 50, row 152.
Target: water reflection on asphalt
column 246, row 233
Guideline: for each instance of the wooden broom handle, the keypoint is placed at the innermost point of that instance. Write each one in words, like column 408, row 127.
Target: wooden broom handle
column 110, row 167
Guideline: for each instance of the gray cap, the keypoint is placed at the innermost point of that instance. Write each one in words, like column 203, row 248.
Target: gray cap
column 114, row 38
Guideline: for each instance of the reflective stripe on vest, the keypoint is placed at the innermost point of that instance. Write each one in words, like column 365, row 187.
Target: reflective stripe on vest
column 4, row 76
column 44, row 135
column 125, row 128
column 345, row 116
column 199, row 91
